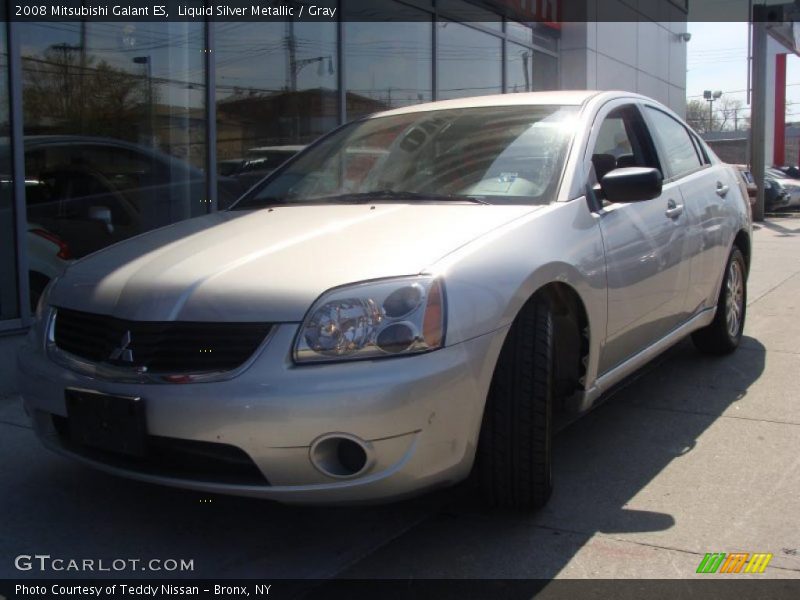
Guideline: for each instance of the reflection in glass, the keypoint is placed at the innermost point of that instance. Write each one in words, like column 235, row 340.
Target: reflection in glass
column 490, row 154
column 8, row 258
column 519, row 31
column 545, row 72
column 469, row 62
column 276, row 88
column 388, row 65
column 468, row 12
column 114, row 129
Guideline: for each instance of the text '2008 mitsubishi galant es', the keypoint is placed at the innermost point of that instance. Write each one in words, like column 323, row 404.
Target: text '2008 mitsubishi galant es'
column 406, row 300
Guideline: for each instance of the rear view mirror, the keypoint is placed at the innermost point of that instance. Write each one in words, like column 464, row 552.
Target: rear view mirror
column 631, row 184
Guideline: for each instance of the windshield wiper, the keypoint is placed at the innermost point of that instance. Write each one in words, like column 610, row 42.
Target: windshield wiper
column 356, row 198
column 398, row 196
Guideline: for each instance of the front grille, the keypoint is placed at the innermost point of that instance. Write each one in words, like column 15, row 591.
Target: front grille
column 172, row 347
column 190, row 460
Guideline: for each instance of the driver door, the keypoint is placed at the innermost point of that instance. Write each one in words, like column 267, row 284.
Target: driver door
column 645, row 242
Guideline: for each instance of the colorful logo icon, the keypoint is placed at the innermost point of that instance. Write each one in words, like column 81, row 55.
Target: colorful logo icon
column 734, row 562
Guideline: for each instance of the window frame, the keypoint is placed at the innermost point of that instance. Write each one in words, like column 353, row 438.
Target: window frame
column 660, row 149
column 617, row 104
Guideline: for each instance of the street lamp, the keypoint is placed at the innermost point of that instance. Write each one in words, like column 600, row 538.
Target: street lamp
column 298, row 65
column 711, row 96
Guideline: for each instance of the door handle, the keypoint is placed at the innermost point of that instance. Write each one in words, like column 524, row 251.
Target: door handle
column 722, row 189
column 673, row 210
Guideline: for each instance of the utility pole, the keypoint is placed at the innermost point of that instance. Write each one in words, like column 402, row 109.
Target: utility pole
column 758, row 111
column 291, row 57
column 148, row 74
column 525, row 58
column 65, row 50
column 82, row 71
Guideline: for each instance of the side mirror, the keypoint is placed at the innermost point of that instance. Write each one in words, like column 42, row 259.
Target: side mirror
column 102, row 214
column 632, row 184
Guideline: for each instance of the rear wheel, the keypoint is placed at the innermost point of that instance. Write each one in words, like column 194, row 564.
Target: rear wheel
column 514, row 451
column 724, row 333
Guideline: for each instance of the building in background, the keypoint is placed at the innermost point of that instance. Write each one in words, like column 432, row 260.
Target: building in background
column 644, row 56
column 112, row 129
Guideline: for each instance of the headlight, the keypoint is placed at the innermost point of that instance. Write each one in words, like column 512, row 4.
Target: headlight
column 375, row 319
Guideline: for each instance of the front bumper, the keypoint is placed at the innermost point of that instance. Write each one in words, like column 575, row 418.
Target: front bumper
column 418, row 416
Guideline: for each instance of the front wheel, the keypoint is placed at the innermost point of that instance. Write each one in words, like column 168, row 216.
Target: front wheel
column 724, row 333
column 514, row 450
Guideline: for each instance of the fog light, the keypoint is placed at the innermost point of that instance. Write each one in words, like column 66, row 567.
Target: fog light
column 339, row 456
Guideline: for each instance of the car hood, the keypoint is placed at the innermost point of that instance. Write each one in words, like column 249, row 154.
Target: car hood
column 268, row 265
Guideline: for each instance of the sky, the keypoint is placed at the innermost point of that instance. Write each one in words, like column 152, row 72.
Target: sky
column 717, row 60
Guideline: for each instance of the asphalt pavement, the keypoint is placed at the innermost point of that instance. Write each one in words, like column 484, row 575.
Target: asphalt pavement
column 695, row 455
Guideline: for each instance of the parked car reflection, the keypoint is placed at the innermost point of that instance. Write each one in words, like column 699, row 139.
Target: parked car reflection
column 258, row 163
column 94, row 191
column 48, row 254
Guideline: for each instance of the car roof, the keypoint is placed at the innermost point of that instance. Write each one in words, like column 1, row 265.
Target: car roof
column 568, row 97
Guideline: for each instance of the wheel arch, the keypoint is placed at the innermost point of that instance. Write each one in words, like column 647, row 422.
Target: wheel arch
column 573, row 335
column 743, row 242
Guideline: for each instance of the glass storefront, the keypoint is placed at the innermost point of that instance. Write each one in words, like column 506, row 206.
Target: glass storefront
column 9, row 303
column 276, row 90
column 519, row 68
column 116, row 121
column 469, row 62
column 388, row 65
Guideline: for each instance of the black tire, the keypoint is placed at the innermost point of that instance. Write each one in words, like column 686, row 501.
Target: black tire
column 36, row 282
column 514, row 459
column 721, row 336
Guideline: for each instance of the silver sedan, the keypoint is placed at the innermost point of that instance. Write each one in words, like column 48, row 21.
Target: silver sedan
column 406, row 301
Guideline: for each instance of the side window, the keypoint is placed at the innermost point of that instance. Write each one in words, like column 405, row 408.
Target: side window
column 680, row 154
column 700, row 150
column 622, row 141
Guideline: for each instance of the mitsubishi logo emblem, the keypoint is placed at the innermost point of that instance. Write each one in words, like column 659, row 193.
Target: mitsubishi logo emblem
column 122, row 352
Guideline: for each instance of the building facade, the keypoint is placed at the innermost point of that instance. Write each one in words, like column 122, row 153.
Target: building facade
column 110, row 129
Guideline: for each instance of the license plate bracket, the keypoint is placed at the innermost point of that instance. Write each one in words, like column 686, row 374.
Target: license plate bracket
column 107, row 422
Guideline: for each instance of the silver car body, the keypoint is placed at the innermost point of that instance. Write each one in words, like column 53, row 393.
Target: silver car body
column 645, row 279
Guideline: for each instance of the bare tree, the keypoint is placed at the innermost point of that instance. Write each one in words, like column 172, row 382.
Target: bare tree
column 697, row 116
column 731, row 114
column 62, row 93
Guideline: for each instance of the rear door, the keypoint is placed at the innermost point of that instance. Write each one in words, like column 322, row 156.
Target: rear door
column 705, row 188
column 645, row 242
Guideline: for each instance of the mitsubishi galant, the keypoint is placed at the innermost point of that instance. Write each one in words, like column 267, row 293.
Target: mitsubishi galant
column 405, row 302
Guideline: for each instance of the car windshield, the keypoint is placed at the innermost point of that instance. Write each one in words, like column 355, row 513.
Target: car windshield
column 491, row 155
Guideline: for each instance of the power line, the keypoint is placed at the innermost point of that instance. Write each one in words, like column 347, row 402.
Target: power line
column 737, row 91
